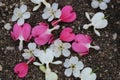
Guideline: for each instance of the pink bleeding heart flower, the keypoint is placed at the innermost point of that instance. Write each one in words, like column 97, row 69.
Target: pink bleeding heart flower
column 67, row 35
column 67, row 15
column 82, row 44
column 21, row 33
column 42, row 34
column 22, row 68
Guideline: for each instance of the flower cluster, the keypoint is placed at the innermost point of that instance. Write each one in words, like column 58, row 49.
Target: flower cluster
column 68, row 40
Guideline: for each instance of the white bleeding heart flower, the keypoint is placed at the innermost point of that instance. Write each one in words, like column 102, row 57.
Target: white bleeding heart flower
column 52, row 12
column 20, row 14
column 46, row 57
column 98, row 21
column 87, row 74
column 38, row 2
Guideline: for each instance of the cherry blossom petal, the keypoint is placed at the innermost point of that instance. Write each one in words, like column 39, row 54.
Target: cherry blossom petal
column 54, row 6
column 23, row 8
column 68, row 72
column 20, row 21
column 66, row 52
column 26, row 15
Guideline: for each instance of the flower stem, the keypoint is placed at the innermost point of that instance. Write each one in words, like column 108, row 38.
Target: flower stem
column 30, row 60
column 54, row 23
column 20, row 45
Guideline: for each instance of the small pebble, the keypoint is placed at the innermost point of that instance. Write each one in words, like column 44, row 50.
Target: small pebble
column 9, row 48
column 0, row 67
column 1, row 4
column 7, row 26
column 114, row 36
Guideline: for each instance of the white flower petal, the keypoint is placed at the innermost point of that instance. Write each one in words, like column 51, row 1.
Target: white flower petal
column 46, row 57
column 101, row 24
column 26, row 55
column 58, row 13
column 23, row 8
column 107, row 1
column 14, row 18
column 57, row 53
column 58, row 42
column 36, row 1
column 16, row 11
column 26, row 15
column 66, row 63
column 103, row 6
column 79, row 65
column 51, row 18
column 74, row 60
column 57, row 62
column 68, row 72
column 20, row 21
column 36, row 7
column 46, row 4
column 66, row 52
column 97, row 17
column 51, row 76
column 94, row 4
column 76, row 73
column 87, row 16
column 37, row 52
column 46, row 15
column 36, row 63
column 32, row 46
column 86, row 72
column 55, row 6
column 92, row 76
column 67, row 45
column 97, row 32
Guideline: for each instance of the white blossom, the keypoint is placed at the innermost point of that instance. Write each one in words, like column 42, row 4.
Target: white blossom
column 38, row 2
column 87, row 74
column 46, row 57
column 102, row 4
column 52, row 12
column 73, row 67
column 60, row 48
column 28, row 53
column 98, row 21
column 7, row 26
column 20, row 14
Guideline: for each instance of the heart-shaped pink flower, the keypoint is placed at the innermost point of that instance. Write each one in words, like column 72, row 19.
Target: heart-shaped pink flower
column 67, row 35
column 82, row 44
column 21, row 33
column 67, row 15
column 42, row 34
column 21, row 69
